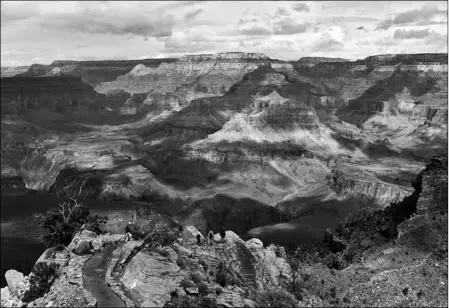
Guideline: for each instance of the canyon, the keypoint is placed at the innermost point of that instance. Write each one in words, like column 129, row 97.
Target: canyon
column 261, row 128
column 278, row 150
column 399, row 252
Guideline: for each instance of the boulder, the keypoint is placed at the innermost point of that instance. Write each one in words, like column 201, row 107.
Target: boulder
column 88, row 233
column 16, row 282
column 255, row 243
column 6, row 296
column 82, row 248
column 249, row 303
column 152, row 278
column 188, row 235
column 182, row 251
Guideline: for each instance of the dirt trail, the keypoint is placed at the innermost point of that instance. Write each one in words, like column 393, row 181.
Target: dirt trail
column 94, row 278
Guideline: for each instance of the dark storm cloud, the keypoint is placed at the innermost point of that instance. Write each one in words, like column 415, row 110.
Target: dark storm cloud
column 301, row 7
column 193, row 15
column 113, row 22
column 290, row 26
column 256, row 30
column 421, row 16
column 411, row 34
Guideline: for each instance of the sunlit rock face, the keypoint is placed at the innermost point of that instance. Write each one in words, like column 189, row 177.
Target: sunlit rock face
column 366, row 188
column 193, row 77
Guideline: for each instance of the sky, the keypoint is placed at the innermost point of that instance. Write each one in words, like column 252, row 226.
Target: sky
column 41, row 32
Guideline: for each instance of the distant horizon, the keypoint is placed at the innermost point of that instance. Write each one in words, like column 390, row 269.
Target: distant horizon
column 40, row 31
column 143, row 59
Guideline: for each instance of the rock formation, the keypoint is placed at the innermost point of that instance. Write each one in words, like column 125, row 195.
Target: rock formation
column 90, row 72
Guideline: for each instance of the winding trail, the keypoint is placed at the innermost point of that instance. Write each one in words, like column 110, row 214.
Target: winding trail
column 94, row 278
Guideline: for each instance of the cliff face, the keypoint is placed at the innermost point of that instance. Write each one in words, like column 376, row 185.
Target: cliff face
column 204, row 75
column 90, row 72
column 367, row 188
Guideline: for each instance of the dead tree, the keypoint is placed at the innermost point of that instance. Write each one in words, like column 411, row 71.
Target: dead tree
column 67, row 209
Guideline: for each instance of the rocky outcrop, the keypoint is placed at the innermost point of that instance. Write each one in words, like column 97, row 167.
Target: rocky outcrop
column 367, row 188
column 91, row 72
column 433, row 181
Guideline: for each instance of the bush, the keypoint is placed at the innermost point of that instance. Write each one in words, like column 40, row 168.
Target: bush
column 165, row 253
column 197, row 277
column 203, row 288
column 218, row 290
column 181, row 301
column 63, row 222
column 221, row 278
column 41, row 279
column 204, row 264
column 135, row 231
column 97, row 223
column 275, row 298
column 207, row 302
column 186, row 283
column 181, row 262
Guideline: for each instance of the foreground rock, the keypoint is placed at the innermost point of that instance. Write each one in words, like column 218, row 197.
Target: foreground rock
column 67, row 289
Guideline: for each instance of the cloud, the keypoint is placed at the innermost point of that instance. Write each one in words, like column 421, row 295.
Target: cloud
column 256, row 30
column 115, row 21
column 192, row 15
column 12, row 12
column 289, row 26
column 301, row 7
column 360, row 28
column 327, row 44
column 420, row 16
column 411, row 34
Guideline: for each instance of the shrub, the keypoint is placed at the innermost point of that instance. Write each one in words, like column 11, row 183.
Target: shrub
column 180, row 262
column 207, row 302
column 221, row 278
column 96, row 223
column 405, row 291
column 41, row 279
column 63, row 222
column 135, row 231
column 203, row 288
column 165, row 253
column 59, row 247
column 196, row 277
column 182, row 301
column 218, row 290
column 204, row 264
column 275, row 297
column 186, row 283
